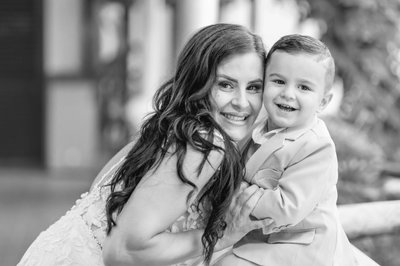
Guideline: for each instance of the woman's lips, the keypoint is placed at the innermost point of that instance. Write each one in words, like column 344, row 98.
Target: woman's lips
column 236, row 118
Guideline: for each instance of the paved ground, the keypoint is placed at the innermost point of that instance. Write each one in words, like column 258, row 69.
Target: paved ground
column 30, row 200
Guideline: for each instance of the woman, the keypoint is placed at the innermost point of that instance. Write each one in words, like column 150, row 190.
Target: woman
column 168, row 193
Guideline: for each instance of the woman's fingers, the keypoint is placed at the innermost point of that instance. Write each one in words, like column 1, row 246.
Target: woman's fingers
column 241, row 197
column 250, row 198
column 246, row 194
column 238, row 194
column 243, row 186
column 239, row 221
column 244, row 202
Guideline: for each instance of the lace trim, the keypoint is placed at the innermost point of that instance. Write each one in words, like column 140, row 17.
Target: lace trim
column 91, row 206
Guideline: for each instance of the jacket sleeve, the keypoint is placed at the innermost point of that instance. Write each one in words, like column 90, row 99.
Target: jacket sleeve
column 300, row 187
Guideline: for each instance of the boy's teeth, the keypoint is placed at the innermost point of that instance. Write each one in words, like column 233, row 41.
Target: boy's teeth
column 286, row 107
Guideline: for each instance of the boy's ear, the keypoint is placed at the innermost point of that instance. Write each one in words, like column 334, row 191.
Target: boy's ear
column 325, row 101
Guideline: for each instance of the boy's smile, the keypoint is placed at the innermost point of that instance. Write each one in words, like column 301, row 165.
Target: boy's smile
column 294, row 90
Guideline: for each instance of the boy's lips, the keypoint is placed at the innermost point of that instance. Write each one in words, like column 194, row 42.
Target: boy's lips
column 285, row 107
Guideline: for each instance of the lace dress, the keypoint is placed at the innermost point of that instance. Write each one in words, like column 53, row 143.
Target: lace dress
column 77, row 237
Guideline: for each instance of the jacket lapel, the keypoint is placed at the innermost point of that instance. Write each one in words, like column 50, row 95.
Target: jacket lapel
column 262, row 154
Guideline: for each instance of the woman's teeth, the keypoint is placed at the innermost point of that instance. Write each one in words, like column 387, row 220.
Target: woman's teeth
column 235, row 117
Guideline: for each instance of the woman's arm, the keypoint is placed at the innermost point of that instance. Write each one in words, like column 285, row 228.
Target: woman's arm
column 114, row 160
column 140, row 236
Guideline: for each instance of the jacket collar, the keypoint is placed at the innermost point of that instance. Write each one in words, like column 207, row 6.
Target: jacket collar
column 274, row 143
column 289, row 133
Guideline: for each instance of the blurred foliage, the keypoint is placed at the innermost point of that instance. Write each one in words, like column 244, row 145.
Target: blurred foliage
column 112, row 97
column 111, row 73
column 360, row 161
column 364, row 38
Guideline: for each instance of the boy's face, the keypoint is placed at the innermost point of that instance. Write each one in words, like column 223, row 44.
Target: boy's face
column 294, row 89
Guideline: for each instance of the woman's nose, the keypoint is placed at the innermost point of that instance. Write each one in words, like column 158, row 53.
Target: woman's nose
column 240, row 100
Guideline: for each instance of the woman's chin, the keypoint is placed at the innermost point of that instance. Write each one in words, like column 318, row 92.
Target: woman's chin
column 237, row 134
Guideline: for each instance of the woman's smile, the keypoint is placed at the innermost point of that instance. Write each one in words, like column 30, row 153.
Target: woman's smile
column 234, row 117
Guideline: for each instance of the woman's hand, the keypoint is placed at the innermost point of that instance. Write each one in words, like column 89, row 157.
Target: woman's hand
column 238, row 218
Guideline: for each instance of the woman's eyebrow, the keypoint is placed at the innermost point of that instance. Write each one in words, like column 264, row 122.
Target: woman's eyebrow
column 256, row 81
column 227, row 77
column 236, row 81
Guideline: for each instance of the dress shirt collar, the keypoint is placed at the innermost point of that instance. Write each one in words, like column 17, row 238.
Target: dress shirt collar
column 260, row 135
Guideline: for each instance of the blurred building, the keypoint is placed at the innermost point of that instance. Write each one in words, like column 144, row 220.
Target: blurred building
column 77, row 77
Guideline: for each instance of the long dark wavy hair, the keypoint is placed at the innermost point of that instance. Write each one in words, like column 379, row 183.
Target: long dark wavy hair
column 183, row 117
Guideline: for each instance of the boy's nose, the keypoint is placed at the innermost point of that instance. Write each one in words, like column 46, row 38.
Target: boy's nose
column 287, row 92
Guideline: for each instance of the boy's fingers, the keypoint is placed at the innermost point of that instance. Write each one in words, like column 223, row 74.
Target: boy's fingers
column 257, row 224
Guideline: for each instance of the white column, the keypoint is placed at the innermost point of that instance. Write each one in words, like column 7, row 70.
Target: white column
column 71, row 110
column 274, row 19
column 190, row 15
column 237, row 12
column 150, row 24
column 63, row 37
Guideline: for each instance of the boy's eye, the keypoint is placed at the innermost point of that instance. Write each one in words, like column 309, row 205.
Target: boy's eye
column 304, row 88
column 278, row 81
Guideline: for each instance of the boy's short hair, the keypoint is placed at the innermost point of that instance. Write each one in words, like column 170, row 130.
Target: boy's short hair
column 296, row 43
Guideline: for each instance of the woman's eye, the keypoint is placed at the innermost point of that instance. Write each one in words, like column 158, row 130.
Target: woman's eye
column 225, row 85
column 254, row 88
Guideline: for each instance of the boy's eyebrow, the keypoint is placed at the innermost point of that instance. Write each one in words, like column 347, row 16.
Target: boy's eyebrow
column 274, row 74
column 235, row 80
column 300, row 80
column 307, row 81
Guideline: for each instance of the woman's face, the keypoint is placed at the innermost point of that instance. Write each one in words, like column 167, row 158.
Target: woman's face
column 236, row 95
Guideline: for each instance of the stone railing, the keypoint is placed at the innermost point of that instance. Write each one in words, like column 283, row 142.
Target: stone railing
column 370, row 219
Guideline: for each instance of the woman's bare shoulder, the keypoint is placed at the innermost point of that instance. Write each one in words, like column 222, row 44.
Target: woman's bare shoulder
column 116, row 159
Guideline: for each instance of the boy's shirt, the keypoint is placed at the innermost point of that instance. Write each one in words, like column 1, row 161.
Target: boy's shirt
column 298, row 170
column 260, row 137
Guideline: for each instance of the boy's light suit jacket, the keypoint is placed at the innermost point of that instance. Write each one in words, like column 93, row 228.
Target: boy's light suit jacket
column 298, row 170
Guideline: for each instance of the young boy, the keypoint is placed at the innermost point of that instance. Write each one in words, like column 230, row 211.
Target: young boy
column 293, row 159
